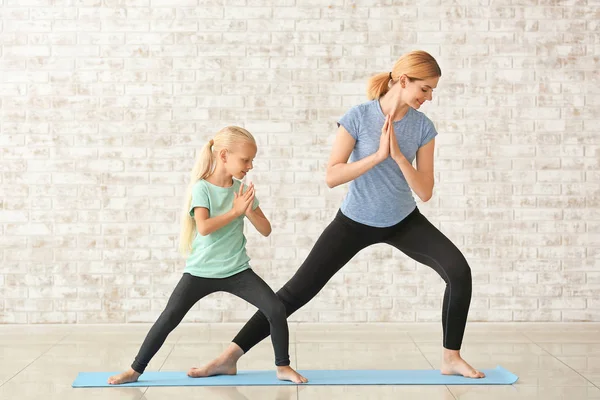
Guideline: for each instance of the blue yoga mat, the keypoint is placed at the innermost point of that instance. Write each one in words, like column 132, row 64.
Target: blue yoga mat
column 497, row 376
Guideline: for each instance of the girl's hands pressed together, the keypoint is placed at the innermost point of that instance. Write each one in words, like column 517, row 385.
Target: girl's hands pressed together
column 242, row 201
column 252, row 190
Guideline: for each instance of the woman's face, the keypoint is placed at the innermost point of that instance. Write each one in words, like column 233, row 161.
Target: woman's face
column 417, row 92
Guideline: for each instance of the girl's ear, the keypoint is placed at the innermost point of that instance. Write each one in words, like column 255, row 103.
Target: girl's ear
column 223, row 155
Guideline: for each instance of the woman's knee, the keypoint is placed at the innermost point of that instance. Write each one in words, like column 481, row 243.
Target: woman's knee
column 458, row 270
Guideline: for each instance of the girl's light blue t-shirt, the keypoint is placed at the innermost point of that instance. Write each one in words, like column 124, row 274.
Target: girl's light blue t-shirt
column 222, row 253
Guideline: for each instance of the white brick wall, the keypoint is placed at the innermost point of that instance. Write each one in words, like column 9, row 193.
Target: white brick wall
column 104, row 103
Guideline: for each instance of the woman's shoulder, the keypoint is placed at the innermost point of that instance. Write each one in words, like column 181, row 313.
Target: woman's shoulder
column 367, row 106
column 419, row 114
column 362, row 109
column 420, row 117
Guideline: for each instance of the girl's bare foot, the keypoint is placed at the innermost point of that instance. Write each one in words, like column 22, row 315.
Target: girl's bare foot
column 453, row 364
column 287, row 373
column 126, row 377
column 225, row 364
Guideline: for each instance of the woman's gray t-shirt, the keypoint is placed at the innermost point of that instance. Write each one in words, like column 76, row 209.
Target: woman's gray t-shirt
column 381, row 197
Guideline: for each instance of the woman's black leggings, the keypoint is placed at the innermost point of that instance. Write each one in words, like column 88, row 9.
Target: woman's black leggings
column 190, row 289
column 415, row 236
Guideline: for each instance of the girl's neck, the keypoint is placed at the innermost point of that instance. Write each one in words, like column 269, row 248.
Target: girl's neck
column 220, row 178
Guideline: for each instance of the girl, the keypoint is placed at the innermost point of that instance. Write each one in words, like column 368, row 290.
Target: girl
column 212, row 233
column 379, row 207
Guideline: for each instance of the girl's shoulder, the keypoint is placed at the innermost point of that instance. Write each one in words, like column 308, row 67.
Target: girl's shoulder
column 200, row 184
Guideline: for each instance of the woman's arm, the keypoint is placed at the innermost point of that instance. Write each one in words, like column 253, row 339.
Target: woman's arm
column 421, row 179
column 338, row 169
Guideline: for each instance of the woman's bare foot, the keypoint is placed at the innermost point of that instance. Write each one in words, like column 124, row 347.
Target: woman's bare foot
column 225, row 364
column 126, row 377
column 453, row 364
column 217, row 366
column 287, row 373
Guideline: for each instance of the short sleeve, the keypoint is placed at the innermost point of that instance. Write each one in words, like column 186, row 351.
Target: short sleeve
column 351, row 121
column 428, row 132
column 200, row 197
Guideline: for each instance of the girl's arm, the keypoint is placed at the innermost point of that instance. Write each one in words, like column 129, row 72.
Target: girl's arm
column 206, row 225
column 338, row 169
column 259, row 220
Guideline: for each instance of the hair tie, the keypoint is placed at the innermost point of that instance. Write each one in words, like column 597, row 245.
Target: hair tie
column 391, row 77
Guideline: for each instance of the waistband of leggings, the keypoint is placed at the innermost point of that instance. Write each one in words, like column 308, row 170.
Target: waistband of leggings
column 340, row 216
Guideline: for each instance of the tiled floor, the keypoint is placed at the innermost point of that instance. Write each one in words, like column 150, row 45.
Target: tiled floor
column 553, row 361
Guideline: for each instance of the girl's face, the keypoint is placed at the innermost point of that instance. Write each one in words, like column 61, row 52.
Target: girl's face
column 238, row 160
column 418, row 92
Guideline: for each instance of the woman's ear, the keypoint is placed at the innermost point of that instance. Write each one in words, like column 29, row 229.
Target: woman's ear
column 403, row 79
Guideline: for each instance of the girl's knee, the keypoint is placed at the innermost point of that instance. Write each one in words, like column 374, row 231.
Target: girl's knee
column 170, row 318
column 275, row 311
column 279, row 310
column 285, row 296
column 293, row 299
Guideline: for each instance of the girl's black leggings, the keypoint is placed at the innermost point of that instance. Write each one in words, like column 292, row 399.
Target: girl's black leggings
column 415, row 236
column 190, row 289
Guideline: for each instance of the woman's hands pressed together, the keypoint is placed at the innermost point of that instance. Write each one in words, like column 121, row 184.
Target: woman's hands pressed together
column 388, row 144
column 395, row 152
column 384, row 141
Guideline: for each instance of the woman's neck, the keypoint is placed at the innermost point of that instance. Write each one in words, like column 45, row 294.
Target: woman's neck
column 391, row 104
